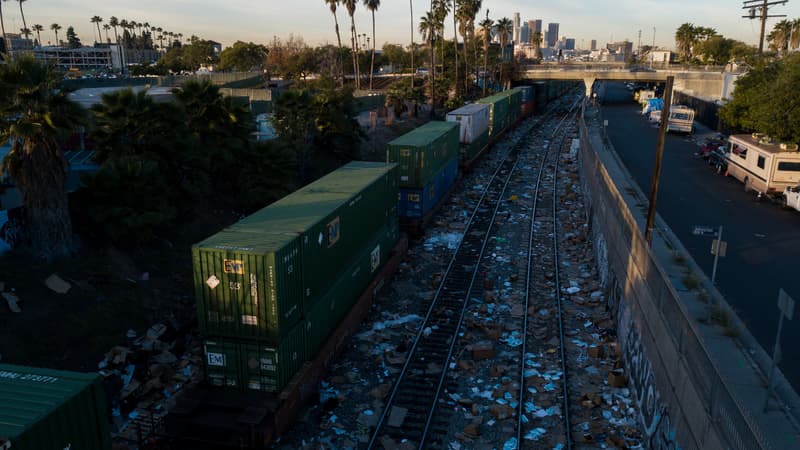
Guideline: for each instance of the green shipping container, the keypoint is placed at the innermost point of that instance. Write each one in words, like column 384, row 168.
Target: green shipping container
column 223, row 363
column 334, row 218
column 268, row 368
column 323, row 318
column 42, row 409
column 421, row 152
column 468, row 151
column 248, row 284
column 498, row 117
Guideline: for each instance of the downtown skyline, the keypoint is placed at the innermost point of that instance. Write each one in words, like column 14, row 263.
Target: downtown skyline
column 234, row 20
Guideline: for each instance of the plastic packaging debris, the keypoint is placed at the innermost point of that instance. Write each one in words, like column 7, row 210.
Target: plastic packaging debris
column 535, row 434
column 510, row 444
column 573, row 290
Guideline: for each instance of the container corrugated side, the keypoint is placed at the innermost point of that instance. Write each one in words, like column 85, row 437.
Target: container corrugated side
column 43, row 409
column 527, row 93
column 469, row 151
column 333, row 218
column 268, row 368
column 421, row 152
column 222, row 358
column 323, row 318
column 416, row 203
column 248, row 284
column 473, row 120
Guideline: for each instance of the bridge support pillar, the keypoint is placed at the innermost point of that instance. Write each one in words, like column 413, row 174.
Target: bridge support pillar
column 588, row 82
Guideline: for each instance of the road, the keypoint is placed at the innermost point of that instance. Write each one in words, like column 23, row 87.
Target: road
column 763, row 239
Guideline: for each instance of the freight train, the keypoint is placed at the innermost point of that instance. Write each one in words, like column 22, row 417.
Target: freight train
column 279, row 292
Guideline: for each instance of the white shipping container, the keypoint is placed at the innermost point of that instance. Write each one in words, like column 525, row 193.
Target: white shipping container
column 473, row 120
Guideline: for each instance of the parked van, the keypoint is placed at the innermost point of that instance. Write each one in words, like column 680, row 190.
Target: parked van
column 763, row 166
column 681, row 119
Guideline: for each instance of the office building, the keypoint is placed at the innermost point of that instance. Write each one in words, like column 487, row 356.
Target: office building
column 105, row 57
column 569, row 44
column 516, row 28
column 552, row 34
column 524, row 34
column 535, row 26
column 594, row 44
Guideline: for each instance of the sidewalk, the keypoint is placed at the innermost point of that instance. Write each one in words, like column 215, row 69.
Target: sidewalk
column 740, row 361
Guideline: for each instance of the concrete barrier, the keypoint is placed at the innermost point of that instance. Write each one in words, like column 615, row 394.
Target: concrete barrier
column 684, row 401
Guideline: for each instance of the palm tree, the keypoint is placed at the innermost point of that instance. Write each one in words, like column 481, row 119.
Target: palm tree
column 25, row 32
column 413, row 69
column 504, row 27
column 536, row 40
column 427, row 28
column 3, row 29
column 463, row 15
column 351, row 10
column 441, row 9
column 455, row 47
column 107, row 27
column 38, row 117
column 96, row 20
column 794, row 42
column 685, row 36
column 114, row 22
column 22, row 13
column 332, row 4
column 55, row 27
column 373, row 6
column 37, row 28
column 486, row 26
column 780, row 36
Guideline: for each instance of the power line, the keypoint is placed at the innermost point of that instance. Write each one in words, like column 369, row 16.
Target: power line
column 763, row 8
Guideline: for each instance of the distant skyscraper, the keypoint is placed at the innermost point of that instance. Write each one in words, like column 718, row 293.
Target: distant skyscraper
column 537, row 25
column 525, row 33
column 552, row 34
column 594, row 44
column 570, row 44
column 516, row 28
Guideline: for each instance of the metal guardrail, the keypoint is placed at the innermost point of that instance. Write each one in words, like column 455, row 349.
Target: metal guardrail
column 734, row 422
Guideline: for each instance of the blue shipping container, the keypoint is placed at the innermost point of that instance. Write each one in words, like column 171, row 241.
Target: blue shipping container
column 415, row 203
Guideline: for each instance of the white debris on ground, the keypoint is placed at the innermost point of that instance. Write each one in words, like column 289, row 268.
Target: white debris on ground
column 482, row 386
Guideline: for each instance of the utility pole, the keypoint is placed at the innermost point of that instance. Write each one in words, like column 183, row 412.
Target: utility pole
column 662, row 131
column 653, row 47
column 751, row 6
column 639, row 48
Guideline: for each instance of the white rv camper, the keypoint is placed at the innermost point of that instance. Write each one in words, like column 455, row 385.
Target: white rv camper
column 681, row 119
column 763, row 166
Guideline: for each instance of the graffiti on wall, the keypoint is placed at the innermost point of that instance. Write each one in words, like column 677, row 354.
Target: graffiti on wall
column 653, row 414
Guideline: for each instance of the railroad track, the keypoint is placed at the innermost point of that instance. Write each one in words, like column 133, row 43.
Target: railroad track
column 411, row 406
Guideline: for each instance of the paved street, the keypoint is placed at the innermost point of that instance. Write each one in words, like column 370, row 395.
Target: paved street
column 763, row 239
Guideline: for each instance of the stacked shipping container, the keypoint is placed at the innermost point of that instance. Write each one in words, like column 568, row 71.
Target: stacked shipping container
column 260, row 283
column 428, row 160
column 473, row 120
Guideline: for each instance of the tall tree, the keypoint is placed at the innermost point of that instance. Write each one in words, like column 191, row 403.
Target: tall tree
column 72, row 38
column 413, row 69
column 332, row 4
column 441, row 9
column 795, row 40
column 455, row 46
column 107, row 27
column 55, row 27
column 780, row 36
column 428, row 26
column 351, row 10
column 25, row 32
column 38, row 28
column 536, row 40
column 486, row 26
column 372, row 6
column 39, row 117
column 96, row 20
column 504, row 28
column 685, row 36
column 22, row 13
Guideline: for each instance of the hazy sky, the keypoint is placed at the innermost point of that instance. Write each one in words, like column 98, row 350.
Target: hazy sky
column 258, row 21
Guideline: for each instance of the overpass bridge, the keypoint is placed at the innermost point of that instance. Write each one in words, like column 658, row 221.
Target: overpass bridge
column 708, row 84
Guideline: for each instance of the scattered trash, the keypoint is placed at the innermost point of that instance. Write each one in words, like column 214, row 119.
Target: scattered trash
column 13, row 302
column 57, row 284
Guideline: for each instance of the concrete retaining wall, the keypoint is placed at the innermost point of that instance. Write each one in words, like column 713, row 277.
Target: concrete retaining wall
column 683, row 401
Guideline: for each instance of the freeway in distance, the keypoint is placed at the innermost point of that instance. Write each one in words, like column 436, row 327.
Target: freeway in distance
column 763, row 238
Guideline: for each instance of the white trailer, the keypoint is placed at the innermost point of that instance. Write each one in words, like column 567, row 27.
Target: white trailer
column 762, row 165
column 791, row 197
column 681, row 118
